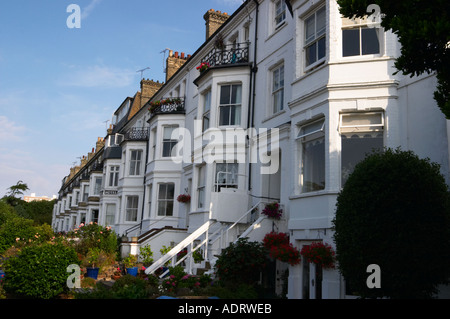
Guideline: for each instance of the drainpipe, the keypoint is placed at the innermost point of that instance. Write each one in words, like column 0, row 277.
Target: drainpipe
column 252, row 91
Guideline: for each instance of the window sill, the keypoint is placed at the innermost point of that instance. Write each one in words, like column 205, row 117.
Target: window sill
column 314, row 194
column 268, row 118
column 277, row 29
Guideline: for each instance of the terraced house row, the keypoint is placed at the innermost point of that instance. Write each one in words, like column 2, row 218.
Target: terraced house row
column 278, row 105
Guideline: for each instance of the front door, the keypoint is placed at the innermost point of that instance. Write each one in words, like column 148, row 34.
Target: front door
column 311, row 280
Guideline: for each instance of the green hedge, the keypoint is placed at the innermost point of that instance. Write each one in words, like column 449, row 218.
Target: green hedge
column 40, row 270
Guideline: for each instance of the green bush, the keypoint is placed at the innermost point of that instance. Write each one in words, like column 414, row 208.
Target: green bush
column 95, row 236
column 40, row 270
column 393, row 211
column 14, row 228
column 241, row 262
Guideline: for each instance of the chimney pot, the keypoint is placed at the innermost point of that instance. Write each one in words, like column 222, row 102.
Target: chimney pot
column 182, row 55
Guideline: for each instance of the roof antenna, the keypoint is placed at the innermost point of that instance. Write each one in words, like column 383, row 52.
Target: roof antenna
column 164, row 59
column 142, row 72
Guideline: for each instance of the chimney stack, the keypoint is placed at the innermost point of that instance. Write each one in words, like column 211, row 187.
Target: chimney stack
column 214, row 19
column 174, row 62
column 148, row 89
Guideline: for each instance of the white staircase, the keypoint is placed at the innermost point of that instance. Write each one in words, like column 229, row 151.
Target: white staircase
column 212, row 237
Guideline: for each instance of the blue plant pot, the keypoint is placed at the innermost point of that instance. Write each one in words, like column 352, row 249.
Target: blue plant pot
column 2, row 275
column 92, row 272
column 133, row 271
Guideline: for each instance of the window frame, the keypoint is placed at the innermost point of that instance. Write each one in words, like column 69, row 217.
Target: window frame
column 172, row 143
column 359, row 129
column 279, row 90
column 360, row 24
column 114, row 175
column 318, row 35
column 206, row 109
column 217, row 184
column 165, row 200
column 310, row 137
column 279, row 11
column 135, row 164
column 236, row 106
column 131, row 209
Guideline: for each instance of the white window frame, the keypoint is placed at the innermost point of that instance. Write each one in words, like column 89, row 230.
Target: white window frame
column 114, row 175
column 130, row 208
column 279, row 16
column 278, row 90
column 361, row 23
column 318, row 35
column 136, row 168
column 219, row 174
column 206, row 110
column 201, row 186
column 110, row 215
column 303, row 138
column 171, row 142
column 165, row 200
column 237, row 106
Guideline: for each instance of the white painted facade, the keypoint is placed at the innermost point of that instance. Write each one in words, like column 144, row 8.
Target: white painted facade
column 327, row 109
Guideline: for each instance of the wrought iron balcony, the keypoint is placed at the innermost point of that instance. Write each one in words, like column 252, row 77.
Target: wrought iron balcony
column 137, row 134
column 227, row 55
column 167, row 106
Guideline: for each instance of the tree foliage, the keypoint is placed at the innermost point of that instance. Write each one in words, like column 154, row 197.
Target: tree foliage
column 393, row 211
column 423, row 30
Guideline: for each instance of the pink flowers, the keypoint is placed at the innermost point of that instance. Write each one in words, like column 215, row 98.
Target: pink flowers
column 203, row 67
column 272, row 210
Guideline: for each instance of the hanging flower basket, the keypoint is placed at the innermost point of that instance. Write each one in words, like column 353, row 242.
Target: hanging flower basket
column 319, row 253
column 184, row 198
column 286, row 253
column 272, row 210
column 275, row 239
column 279, row 248
column 203, row 67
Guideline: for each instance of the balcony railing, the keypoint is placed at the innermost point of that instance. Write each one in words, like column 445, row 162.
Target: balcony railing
column 137, row 134
column 167, row 106
column 227, row 55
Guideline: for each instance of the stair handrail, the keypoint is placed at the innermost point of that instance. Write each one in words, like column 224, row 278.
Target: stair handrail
column 179, row 247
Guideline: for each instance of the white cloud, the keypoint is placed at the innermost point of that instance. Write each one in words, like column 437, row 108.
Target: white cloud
column 99, row 76
column 9, row 131
column 89, row 8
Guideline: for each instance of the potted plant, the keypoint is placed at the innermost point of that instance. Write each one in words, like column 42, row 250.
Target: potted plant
column 319, row 253
column 92, row 258
column 146, row 255
column 198, row 256
column 184, row 198
column 117, row 274
column 130, row 265
column 286, row 253
column 272, row 210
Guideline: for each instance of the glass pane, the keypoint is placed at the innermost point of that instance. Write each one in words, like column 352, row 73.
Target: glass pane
column 311, row 54
column 313, row 165
column 161, row 208
column 224, row 115
column 236, row 94
column 162, row 191
column 207, row 102
column 276, row 79
column 370, row 42
column 225, row 94
column 320, row 24
column 235, row 115
column 350, row 42
column 321, row 49
column 355, row 147
column 310, row 29
column 169, row 208
column 170, row 191
column 361, row 119
column 168, row 132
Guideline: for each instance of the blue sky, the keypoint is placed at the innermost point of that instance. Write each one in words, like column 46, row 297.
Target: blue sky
column 58, row 85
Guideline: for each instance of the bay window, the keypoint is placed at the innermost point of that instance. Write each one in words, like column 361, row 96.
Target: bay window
column 312, row 144
column 315, row 34
column 230, row 104
column 361, row 134
column 166, row 195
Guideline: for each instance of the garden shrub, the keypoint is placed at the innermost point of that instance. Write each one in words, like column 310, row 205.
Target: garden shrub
column 94, row 236
column 241, row 262
column 393, row 211
column 14, row 228
column 40, row 270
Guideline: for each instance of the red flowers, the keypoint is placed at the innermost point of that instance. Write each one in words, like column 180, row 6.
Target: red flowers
column 184, row 198
column 280, row 248
column 319, row 253
column 272, row 210
column 203, row 66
